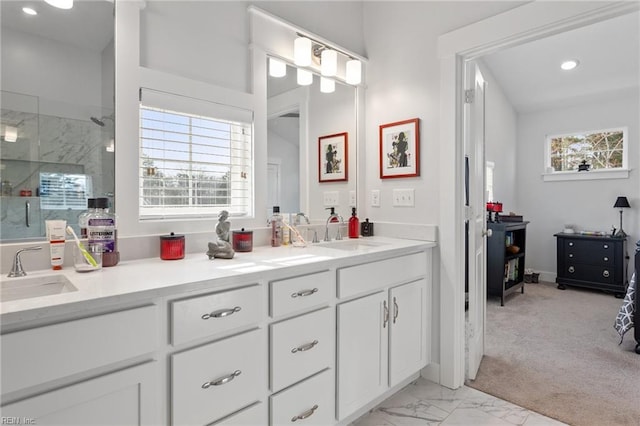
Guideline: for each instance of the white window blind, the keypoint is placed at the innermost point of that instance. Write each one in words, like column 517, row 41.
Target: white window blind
column 195, row 157
column 63, row 191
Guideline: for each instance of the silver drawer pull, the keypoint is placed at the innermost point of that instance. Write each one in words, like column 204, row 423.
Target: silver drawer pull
column 395, row 310
column 572, row 269
column 570, row 244
column 222, row 380
column 385, row 318
column 606, row 259
column 303, row 293
column 606, row 246
column 221, row 313
column 605, row 273
column 304, row 347
column 570, row 254
column 306, row 414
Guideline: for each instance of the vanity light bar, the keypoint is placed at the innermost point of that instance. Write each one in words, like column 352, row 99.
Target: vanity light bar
column 303, row 52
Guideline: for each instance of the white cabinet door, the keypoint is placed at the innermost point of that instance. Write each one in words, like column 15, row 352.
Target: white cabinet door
column 409, row 332
column 362, row 351
column 127, row 397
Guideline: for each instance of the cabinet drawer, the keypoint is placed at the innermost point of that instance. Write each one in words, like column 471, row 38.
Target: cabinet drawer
column 300, row 347
column 254, row 415
column 584, row 251
column 311, row 402
column 358, row 279
column 38, row 355
column 577, row 271
column 215, row 313
column 217, row 379
column 294, row 294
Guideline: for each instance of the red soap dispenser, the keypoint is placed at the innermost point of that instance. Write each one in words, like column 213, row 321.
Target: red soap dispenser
column 354, row 224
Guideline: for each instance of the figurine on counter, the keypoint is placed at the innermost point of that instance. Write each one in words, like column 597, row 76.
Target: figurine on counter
column 222, row 247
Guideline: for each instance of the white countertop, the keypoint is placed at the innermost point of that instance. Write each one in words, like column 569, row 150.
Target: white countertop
column 153, row 277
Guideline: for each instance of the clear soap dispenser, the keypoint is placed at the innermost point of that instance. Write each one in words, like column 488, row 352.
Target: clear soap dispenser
column 354, row 224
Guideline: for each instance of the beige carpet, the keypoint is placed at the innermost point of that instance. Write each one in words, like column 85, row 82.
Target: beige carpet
column 556, row 352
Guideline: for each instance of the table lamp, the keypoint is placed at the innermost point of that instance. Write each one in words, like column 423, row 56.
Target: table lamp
column 621, row 202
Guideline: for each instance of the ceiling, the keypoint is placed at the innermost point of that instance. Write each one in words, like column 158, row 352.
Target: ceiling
column 608, row 52
column 89, row 24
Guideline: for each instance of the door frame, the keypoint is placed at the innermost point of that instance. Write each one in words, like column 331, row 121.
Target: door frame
column 526, row 23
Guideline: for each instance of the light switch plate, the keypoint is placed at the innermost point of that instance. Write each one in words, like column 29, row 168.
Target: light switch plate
column 404, row 197
column 352, row 198
column 375, row 198
column 330, row 198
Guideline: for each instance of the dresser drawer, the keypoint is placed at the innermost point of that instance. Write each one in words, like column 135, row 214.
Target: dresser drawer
column 585, row 251
column 256, row 414
column 216, row 313
column 215, row 380
column 358, row 279
column 582, row 272
column 303, row 292
column 310, row 402
column 300, row 347
column 41, row 354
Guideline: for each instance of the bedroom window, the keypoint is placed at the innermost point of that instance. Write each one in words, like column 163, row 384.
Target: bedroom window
column 195, row 163
column 593, row 154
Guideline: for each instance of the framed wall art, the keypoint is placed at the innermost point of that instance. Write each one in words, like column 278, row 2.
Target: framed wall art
column 333, row 162
column 400, row 149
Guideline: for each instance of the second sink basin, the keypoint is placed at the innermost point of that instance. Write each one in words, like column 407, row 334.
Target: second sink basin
column 29, row 287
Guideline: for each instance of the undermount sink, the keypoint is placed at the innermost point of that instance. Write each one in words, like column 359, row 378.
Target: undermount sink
column 354, row 244
column 29, row 287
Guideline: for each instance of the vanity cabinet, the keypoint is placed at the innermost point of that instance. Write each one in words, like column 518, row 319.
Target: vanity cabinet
column 383, row 337
column 308, row 344
column 126, row 397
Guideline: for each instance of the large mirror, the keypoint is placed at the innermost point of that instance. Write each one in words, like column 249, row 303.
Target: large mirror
column 299, row 120
column 57, row 112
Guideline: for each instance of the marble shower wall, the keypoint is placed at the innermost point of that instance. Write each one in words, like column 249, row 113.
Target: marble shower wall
column 57, row 145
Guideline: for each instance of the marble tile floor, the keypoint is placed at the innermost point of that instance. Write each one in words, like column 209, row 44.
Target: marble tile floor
column 426, row 403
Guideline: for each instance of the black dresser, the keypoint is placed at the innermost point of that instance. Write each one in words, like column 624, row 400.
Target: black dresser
column 595, row 262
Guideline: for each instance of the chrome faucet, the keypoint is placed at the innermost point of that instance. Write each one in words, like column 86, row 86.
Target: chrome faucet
column 333, row 217
column 299, row 217
column 16, row 268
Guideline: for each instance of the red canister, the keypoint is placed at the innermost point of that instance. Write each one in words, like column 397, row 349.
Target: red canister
column 171, row 247
column 242, row 240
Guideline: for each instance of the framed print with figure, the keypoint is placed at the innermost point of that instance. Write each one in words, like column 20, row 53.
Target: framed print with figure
column 400, row 149
column 333, row 162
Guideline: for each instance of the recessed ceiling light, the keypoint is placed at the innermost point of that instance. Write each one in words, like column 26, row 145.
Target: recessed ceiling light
column 29, row 11
column 569, row 65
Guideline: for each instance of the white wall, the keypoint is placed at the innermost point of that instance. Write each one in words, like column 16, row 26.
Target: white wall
column 286, row 152
column 587, row 204
column 500, row 141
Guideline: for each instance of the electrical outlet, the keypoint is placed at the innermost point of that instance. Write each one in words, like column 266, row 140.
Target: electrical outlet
column 403, row 197
column 330, row 198
column 375, row 198
column 352, row 198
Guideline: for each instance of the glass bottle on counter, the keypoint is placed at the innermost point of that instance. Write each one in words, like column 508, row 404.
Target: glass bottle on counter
column 101, row 229
column 83, row 218
column 276, row 227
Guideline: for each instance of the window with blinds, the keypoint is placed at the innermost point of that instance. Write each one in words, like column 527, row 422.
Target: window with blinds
column 64, row 191
column 193, row 164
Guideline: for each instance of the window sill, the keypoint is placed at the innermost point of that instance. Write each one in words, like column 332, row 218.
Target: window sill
column 590, row 175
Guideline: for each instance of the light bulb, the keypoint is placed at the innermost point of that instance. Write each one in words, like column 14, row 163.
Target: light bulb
column 329, row 62
column 569, row 65
column 302, row 51
column 327, row 85
column 29, row 11
column 277, row 68
column 354, row 72
column 305, row 78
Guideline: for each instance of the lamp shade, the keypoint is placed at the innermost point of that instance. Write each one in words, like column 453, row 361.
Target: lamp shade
column 277, row 68
column 622, row 202
column 304, row 77
column 354, row 72
column 327, row 85
column 302, row 51
column 329, row 62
